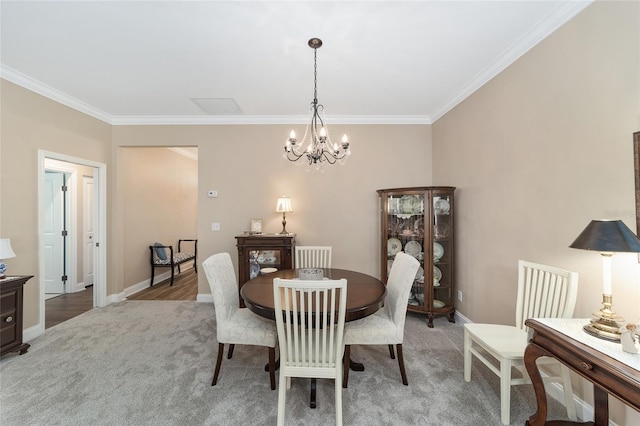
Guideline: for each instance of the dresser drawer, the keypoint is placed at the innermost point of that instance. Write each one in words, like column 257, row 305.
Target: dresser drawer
column 8, row 301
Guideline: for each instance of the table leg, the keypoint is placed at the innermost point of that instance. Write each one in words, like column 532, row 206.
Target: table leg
column 531, row 353
column 312, row 400
column 601, row 406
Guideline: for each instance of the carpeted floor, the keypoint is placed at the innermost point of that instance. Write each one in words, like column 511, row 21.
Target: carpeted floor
column 151, row 363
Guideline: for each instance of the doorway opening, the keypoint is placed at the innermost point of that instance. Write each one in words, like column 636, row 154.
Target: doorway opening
column 72, row 230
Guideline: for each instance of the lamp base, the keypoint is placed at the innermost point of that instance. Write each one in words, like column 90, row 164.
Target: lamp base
column 603, row 329
column 284, row 224
column 605, row 325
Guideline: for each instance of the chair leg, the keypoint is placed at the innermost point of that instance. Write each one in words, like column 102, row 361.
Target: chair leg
column 282, row 397
column 393, row 356
column 505, row 391
column 567, row 387
column 467, row 356
column 338, row 390
column 272, row 367
column 152, row 272
column 172, row 274
column 218, row 362
column 403, row 372
column 346, row 362
column 230, row 354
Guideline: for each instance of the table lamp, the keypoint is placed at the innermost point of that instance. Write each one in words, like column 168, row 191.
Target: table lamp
column 284, row 206
column 607, row 237
column 6, row 252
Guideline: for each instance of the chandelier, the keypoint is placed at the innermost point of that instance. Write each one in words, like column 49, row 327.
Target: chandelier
column 316, row 146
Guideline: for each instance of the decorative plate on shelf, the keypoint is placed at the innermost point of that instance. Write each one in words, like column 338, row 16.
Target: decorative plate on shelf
column 413, row 248
column 441, row 206
column 437, row 274
column 438, row 303
column 420, row 273
column 393, row 246
column 438, row 251
column 410, row 204
column 265, row 271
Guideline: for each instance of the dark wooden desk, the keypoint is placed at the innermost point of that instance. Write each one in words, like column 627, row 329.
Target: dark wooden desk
column 603, row 363
column 365, row 295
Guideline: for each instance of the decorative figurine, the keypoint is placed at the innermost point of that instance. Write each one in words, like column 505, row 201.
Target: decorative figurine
column 628, row 339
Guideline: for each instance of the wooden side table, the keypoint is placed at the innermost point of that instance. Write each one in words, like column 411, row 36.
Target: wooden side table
column 603, row 363
column 11, row 289
column 267, row 250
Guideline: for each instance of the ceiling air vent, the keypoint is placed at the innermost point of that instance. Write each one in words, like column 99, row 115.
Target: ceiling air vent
column 218, row 106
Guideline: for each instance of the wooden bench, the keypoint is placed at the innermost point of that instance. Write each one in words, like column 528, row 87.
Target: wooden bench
column 171, row 259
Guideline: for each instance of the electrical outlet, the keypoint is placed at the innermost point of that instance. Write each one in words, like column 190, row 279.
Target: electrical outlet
column 215, row 226
column 212, row 194
column 460, row 295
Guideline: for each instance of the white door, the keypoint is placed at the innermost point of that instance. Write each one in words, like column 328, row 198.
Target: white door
column 88, row 226
column 53, row 227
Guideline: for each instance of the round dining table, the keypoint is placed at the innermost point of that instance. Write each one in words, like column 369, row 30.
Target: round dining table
column 365, row 295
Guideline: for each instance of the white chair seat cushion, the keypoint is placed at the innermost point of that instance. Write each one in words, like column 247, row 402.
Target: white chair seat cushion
column 376, row 329
column 507, row 341
column 244, row 327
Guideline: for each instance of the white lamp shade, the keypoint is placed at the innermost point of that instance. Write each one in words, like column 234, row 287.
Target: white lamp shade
column 6, row 252
column 284, row 205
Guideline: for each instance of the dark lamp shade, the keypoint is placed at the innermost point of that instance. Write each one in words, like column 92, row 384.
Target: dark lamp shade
column 607, row 236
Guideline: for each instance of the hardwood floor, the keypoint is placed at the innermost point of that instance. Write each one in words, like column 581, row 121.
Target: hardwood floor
column 185, row 287
column 67, row 306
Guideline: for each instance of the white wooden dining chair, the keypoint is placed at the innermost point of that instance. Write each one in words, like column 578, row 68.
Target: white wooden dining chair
column 386, row 326
column 543, row 292
column 313, row 257
column 310, row 335
column 236, row 326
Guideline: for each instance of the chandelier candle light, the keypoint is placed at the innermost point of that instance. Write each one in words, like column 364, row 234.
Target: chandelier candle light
column 284, row 206
column 607, row 237
column 320, row 149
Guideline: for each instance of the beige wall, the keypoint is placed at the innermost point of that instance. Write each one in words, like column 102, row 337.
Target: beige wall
column 338, row 207
column 537, row 153
column 30, row 122
column 159, row 205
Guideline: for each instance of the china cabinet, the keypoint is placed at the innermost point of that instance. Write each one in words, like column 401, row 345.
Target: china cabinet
column 263, row 253
column 419, row 221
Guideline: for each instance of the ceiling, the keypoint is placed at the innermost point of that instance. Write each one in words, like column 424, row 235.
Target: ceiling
column 144, row 62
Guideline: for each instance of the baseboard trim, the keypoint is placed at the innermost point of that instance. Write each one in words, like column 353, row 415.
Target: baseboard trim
column 204, row 298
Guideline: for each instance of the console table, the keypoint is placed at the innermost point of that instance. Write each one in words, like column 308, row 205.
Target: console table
column 11, row 314
column 603, row 363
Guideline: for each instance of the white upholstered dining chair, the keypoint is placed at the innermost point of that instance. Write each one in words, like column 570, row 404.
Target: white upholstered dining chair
column 310, row 336
column 386, row 326
column 543, row 292
column 313, row 257
column 236, row 326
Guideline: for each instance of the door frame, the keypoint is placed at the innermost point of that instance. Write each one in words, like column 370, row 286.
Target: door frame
column 100, row 235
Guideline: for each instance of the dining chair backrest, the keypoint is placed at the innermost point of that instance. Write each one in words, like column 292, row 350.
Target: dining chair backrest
column 313, row 257
column 224, row 286
column 544, row 292
column 310, row 326
column 401, row 277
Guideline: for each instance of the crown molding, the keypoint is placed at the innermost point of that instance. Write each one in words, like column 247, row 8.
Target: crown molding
column 264, row 119
column 546, row 27
column 40, row 88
